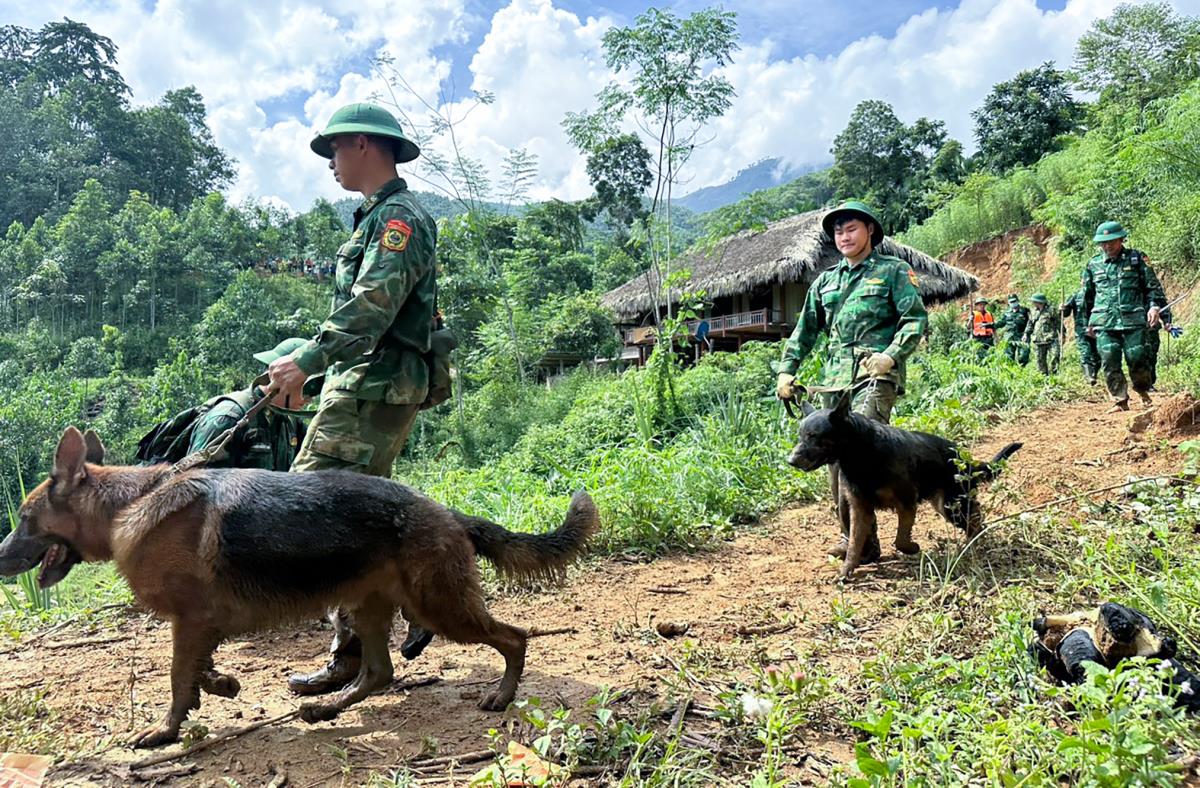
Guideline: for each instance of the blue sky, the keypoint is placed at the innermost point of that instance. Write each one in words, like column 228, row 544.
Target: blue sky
column 272, row 71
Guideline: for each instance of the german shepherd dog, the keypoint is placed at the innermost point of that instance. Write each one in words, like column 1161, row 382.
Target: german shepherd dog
column 884, row 467
column 221, row 552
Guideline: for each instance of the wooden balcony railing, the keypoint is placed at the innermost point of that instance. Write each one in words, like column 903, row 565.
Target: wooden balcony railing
column 759, row 319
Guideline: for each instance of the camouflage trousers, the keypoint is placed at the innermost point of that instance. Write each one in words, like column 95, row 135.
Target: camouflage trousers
column 1129, row 344
column 874, row 400
column 1017, row 351
column 1089, row 356
column 1048, row 355
column 353, row 435
column 1153, row 342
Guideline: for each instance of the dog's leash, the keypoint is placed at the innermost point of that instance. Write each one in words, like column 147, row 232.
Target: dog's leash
column 205, row 455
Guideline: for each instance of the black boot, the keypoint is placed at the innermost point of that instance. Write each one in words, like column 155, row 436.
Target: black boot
column 416, row 641
column 338, row 672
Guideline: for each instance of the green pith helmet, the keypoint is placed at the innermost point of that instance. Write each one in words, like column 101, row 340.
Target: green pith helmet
column 369, row 119
column 981, row 300
column 1038, row 298
column 284, row 348
column 1109, row 231
column 856, row 209
column 1014, row 298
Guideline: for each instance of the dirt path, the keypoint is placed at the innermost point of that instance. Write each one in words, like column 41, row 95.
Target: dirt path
column 775, row 578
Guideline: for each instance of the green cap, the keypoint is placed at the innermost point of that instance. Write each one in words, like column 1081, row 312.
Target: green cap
column 1109, row 231
column 1038, row 298
column 370, row 119
column 1013, row 298
column 856, row 209
column 284, row 348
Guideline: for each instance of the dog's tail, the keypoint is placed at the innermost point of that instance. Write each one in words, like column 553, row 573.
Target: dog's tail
column 992, row 469
column 535, row 556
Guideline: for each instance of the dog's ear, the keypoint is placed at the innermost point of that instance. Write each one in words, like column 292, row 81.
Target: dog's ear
column 841, row 410
column 806, row 408
column 69, row 458
column 95, row 448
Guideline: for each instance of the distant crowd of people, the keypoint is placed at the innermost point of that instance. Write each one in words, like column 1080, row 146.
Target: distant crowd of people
column 1119, row 312
column 307, row 267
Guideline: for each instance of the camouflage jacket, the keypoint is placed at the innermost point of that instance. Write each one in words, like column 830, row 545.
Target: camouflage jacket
column 270, row 441
column 883, row 312
column 1044, row 325
column 1073, row 307
column 1015, row 319
column 1118, row 292
column 373, row 342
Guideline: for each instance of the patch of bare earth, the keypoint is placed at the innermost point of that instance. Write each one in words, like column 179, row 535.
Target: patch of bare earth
column 766, row 596
column 991, row 260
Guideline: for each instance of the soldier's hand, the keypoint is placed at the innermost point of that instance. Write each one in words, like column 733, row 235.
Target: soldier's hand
column 877, row 365
column 1152, row 317
column 785, row 386
column 286, row 376
column 1091, row 332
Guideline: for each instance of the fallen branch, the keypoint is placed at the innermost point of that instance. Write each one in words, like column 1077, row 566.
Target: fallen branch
column 207, row 743
column 87, row 642
column 204, row 745
column 541, row 633
column 765, row 629
column 666, row 590
column 424, row 681
column 1084, row 494
column 676, row 724
column 164, row 772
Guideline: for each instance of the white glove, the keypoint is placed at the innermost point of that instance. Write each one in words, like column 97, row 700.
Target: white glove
column 1152, row 317
column 878, row 365
column 783, row 386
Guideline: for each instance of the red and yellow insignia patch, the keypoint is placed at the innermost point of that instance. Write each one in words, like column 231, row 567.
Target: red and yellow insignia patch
column 912, row 277
column 395, row 235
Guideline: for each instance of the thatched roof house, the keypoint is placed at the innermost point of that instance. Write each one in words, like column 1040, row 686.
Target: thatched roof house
column 756, row 281
column 793, row 250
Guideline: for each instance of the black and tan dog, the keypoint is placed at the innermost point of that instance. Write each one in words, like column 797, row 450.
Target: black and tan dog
column 221, row 552
column 884, row 467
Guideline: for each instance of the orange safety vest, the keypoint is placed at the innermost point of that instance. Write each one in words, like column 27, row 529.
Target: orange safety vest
column 981, row 324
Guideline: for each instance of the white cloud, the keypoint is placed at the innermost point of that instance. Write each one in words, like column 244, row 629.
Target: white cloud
column 939, row 64
column 540, row 62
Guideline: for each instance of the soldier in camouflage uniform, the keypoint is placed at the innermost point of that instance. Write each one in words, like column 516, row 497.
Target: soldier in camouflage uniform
column 371, row 347
column 1122, row 297
column 1089, row 357
column 271, row 440
column 869, row 307
column 1014, row 320
column 1042, row 333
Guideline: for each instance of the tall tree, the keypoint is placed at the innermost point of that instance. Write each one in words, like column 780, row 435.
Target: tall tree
column 881, row 160
column 1021, row 119
column 619, row 169
column 674, row 88
column 1137, row 54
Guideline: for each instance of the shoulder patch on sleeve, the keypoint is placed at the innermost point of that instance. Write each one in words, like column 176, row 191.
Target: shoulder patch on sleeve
column 395, row 235
column 912, row 277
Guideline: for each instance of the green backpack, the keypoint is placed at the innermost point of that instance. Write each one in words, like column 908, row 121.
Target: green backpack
column 168, row 440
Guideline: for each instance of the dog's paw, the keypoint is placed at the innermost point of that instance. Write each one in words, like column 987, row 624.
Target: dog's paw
column 221, row 685
column 318, row 712
column 154, row 736
column 495, row 701
column 908, row 548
